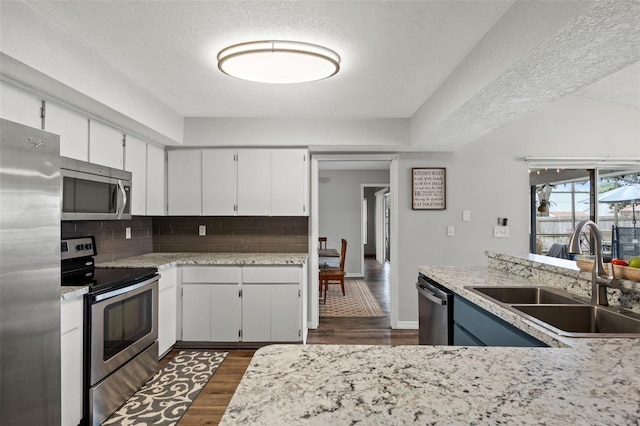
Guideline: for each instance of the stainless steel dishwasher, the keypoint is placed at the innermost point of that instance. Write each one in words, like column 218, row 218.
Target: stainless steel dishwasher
column 435, row 312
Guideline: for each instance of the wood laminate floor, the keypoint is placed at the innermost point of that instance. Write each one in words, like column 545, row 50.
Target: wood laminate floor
column 210, row 405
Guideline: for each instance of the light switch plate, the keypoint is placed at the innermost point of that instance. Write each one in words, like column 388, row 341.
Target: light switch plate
column 466, row 215
column 202, row 230
column 501, row 232
column 127, row 233
column 450, row 231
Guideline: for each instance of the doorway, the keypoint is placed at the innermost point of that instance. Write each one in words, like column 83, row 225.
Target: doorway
column 319, row 212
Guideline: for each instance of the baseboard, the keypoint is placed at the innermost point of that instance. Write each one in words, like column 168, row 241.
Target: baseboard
column 407, row 325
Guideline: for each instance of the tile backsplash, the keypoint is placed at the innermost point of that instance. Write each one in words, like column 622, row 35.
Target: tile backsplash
column 180, row 234
column 111, row 243
column 245, row 234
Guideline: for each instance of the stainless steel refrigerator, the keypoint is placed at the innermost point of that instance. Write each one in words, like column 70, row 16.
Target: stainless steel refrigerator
column 29, row 276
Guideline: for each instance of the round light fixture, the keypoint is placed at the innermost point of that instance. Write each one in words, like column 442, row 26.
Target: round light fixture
column 279, row 62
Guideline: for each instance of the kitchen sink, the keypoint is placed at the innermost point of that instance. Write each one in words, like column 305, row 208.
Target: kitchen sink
column 582, row 320
column 562, row 312
column 527, row 295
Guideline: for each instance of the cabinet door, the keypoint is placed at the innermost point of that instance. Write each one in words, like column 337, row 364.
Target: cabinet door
column 155, row 181
column 256, row 313
column 105, row 145
column 135, row 152
column 20, row 106
column 73, row 129
column 254, row 182
column 288, row 183
column 185, row 182
column 71, row 349
column 219, row 182
column 225, row 313
column 196, row 312
column 285, row 313
column 167, row 310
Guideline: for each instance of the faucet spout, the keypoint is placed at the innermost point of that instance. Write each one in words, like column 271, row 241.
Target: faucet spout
column 600, row 279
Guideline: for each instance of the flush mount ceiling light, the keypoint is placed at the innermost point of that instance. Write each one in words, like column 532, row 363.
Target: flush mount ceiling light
column 279, row 62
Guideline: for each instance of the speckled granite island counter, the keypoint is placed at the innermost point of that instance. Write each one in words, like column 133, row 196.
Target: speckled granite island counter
column 168, row 260
column 575, row 381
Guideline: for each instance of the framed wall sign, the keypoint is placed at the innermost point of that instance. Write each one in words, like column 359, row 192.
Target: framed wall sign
column 428, row 188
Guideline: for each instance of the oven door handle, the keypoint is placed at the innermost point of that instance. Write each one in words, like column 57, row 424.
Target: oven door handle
column 119, row 291
column 431, row 296
column 121, row 200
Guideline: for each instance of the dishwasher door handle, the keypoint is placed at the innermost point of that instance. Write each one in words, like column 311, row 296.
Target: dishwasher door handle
column 431, row 296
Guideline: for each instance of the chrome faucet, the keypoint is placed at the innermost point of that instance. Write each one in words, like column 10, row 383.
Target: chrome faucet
column 600, row 279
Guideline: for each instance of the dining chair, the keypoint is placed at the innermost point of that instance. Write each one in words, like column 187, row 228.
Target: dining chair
column 322, row 243
column 333, row 275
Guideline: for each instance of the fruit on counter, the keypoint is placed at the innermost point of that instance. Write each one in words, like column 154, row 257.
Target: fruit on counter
column 620, row 262
column 634, row 262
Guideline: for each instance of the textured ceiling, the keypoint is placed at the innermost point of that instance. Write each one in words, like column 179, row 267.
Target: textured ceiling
column 394, row 53
column 395, row 56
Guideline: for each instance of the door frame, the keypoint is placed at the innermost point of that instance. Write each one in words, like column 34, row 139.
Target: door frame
column 313, row 318
column 362, row 188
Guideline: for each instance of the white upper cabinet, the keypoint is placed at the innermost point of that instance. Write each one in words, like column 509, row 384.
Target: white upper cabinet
column 155, row 181
column 73, row 129
column 254, row 182
column 219, row 182
column 135, row 153
column 185, row 182
column 289, row 182
column 20, row 106
column 258, row 182
column 105, row 145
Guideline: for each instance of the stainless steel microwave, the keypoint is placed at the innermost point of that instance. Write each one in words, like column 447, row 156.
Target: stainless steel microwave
column 94, row 192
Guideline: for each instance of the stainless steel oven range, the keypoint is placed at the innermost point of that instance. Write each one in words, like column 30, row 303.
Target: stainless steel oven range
column 121, row 327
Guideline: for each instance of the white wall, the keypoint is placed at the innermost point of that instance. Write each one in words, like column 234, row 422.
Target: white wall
column 490, row 178
column 339, row 204
column 294, row 132
column 33, row 41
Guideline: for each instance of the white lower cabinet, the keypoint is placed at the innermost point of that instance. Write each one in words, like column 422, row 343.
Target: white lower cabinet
column 211, row 304
column 167, row 310
column 271, row 304
column 71, row 330
column 249, row 304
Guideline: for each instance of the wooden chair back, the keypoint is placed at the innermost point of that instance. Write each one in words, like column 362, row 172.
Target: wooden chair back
column 343, row 254
column 322, row 243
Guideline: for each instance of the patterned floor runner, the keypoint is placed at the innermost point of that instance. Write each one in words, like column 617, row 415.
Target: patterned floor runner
column 358, row 301
column 164, row 399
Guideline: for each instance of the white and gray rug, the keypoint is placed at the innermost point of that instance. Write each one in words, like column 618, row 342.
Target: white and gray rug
column 164, row 399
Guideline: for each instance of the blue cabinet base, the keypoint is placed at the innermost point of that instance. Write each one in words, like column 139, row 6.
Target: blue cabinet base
column 474, row 326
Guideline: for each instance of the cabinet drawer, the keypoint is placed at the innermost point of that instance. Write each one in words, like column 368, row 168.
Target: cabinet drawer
column 271, row 274
column 487, row 328
column 211, row 274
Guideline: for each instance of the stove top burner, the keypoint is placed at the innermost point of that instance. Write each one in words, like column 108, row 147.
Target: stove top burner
column 103, row 279
column 78, row 268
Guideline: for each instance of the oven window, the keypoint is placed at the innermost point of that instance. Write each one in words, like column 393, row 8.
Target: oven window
column 125, row 322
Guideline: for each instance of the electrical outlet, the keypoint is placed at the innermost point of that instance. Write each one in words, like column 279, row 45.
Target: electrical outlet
column 450, row 231
column 466, row 215
column 501, row 232
column 202, row 230
column 127, row 233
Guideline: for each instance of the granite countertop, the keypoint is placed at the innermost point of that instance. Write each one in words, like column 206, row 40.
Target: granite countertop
column 575, row 381
column 73, row 292
column 168, row 260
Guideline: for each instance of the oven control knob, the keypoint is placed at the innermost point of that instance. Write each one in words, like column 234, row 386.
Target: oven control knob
column 87, row 246
column 79, row 247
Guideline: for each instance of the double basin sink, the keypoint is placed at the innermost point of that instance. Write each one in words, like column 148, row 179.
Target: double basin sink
column 562, row 312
